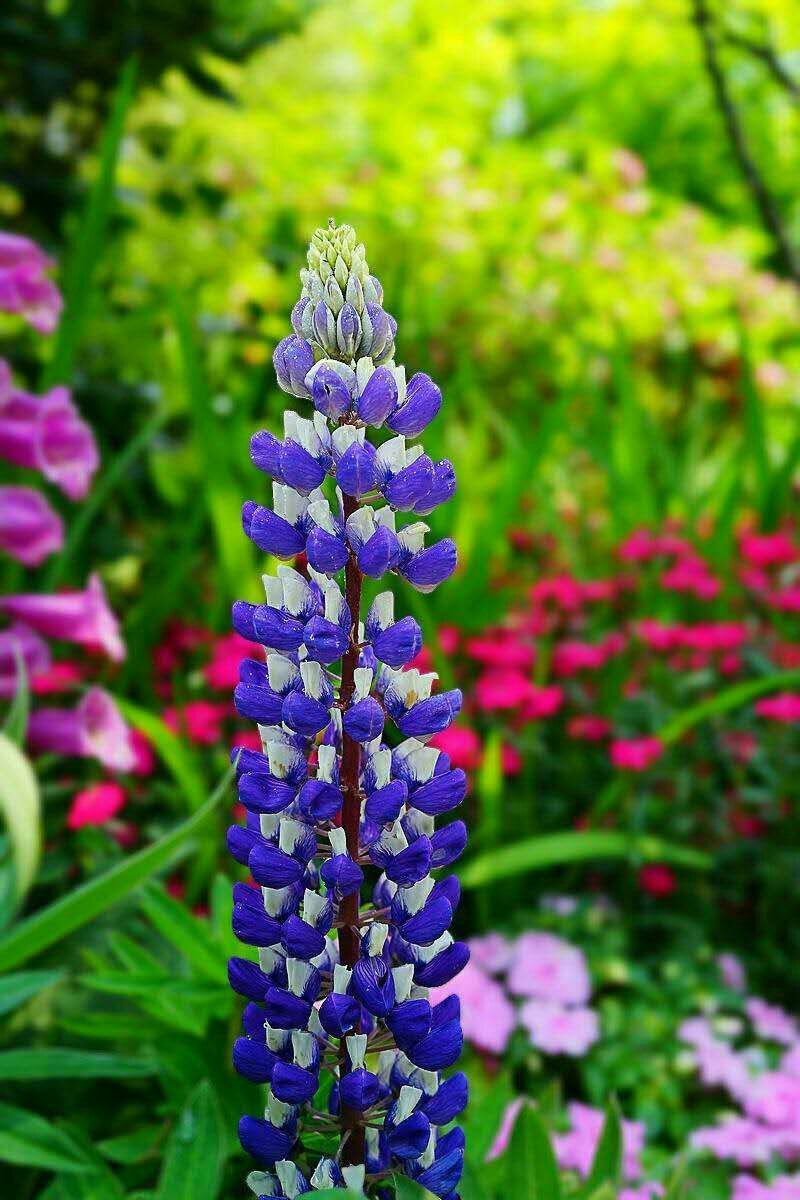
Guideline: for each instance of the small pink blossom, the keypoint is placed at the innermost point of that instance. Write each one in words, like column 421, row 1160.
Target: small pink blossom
column 790, row 1063
column 541, row 702
column 692, row 577
column 588, row 728
column 498, row 690
column 774, row 1098
column 575, row 1150
column 768, row 549
column 503, row 1135
column 572, row 657
column 461, row 744
column 559, row 1030
column 144, row 758
column 24, row 286
column 737, row 1139
column 771, row 1022
column 200, row 721
column 732, row 971
column 635, row 754
column 510, row 760
column 95, row 805
column 501, row 650
column 781, row 1187
column 62, row 676
column 657, row 879
column 492, row 953
column 783, row 707
column 644, row 1191
column 221, row 672
column 549, row 968
column 487, row 1016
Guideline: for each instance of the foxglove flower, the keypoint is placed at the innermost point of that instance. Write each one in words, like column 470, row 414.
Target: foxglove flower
column 327, row 801
column 30, row 530
column 47, row 434
column 94, row 729
column 24, row 285
column 83, row 617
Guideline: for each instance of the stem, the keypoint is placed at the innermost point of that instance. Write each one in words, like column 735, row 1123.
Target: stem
column 353, row 1147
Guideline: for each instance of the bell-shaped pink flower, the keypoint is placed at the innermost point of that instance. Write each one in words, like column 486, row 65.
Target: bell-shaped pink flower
column 94, row 729
column 47, row 434
column 24, row 286
column 30, row 529
column 20, row 644
column 82, row 617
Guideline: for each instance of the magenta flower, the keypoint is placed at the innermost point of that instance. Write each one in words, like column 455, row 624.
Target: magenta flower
column 82, row 617
column 96, row 804
column 47, row 434
column 19, row 642
column 547, row 967
column 784, row 707
column 559, row 1030
column 635, row 754
column 24, row 286
column 94, row 729
column 30, row 529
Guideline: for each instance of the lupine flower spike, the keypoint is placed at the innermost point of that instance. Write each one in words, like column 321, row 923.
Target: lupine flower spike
column 339, row 1025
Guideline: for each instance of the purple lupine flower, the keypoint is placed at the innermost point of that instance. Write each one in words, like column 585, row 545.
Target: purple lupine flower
column 82, row 617
column 47, row 434
column 24, row 285
column 322, row 696
column 19, row 644
column 95, row 728
column 30, row 529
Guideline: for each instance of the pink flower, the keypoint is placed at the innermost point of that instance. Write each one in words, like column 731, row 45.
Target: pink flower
column 95, row 805
column 449, row 639
column 94, row 729
column 780, row 1187
column 62, row 676
column 19, row 642
column 635, row 754
column 732, row 971
column 659, row 637
column 487, row 1016
column 492, row 952
column 644, row 1191
column 501, row 650
column 784, row 707
column 461, row 744
column 564, row 592
column 199, row 721
column 507, row 1123
column 691, row 576
column 222, row 670
column 559, row 1030
column 144, row 758
column 575, row 1150
column 541, row 702
column 549, row 968
column 771, row 1022
column 497, row 691
column 657, row 879
column 737, row 1139
column 768, row 549
column 774, row 1098
column 30, row 530
column 718, row 1065
column 82, row 617
column 570, row 658
column 785, row 599
column 790, row 1063
column 47, row 434
column 24, row 286
column 510, row 760
column 588, row 728
column 249, row 739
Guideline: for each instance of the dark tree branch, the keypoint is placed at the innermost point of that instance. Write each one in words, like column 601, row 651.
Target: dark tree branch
column 762, row 197
column 766, row 54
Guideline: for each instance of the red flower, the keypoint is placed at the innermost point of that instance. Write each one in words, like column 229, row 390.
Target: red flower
column 657, row 879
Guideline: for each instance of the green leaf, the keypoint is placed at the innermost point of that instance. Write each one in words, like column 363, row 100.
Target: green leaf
column 187, row 933
column 733, row 697
column 171, row 748
column 556, row 849
column 16, row 989
column 15, row 726
column 27, row 1140
column 195, row 1153
column 131, row 1147
column 54, row 1062
column 101, row 1185
column 83, row 904
column 546, row 1180
column 89, row 241
column 21, row 807
column 607, row 1163
column 519, row 1159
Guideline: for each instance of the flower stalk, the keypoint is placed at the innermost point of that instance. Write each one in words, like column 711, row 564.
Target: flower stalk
column 341, row 986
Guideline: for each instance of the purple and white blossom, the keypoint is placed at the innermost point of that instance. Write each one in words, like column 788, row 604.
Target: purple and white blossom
column 339, row 984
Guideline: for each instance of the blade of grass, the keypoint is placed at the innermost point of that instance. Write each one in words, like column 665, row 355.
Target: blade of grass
column 82, row 905
column 172, row 750
column 732, row 697
column 557, row 849
column 89, row 243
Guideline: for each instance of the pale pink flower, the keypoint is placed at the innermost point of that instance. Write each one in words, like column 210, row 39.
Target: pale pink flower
column 772, row 1022
column 575, row 1150
column 790, row 1063
column 644, row 1191
column 487, row 1016
column 737, row 1139
column 492, row 953
column 774, row 1098
column 559, row 1030
column 781, row 1187
column 549, row 968
column 94, row 729
column 503, row 1135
